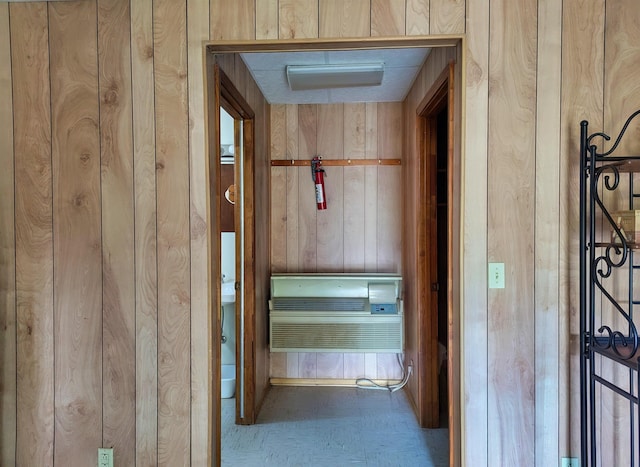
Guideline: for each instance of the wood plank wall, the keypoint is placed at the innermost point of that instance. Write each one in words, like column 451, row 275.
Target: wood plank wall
column 596, row 86
column 361, row 227
column 8, row 374
column 67, row 108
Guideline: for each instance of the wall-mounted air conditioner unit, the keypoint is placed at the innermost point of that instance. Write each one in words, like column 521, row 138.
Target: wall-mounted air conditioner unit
column 336, row 313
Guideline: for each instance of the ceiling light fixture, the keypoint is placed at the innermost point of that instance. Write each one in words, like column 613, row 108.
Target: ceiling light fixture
column 306, row 77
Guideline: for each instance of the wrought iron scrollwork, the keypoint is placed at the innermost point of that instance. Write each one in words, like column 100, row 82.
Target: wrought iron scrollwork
column 593, row 148
column 607, row 312
column 612, row 255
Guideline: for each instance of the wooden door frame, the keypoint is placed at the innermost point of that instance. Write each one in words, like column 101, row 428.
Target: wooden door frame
column 225, row 95
column 235, row 104
column 441, row 95
column 454, row 356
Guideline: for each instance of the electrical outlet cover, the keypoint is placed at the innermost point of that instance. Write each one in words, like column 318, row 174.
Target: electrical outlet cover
column 105, row 457
column 570, row 462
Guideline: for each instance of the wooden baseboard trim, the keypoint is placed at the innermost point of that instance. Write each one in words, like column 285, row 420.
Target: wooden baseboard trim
column 329, row 382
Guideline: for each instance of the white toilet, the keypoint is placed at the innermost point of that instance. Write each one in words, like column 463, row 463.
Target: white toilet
column 228, row 388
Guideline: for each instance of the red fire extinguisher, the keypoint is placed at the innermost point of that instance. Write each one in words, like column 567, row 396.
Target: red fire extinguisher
column 317, row 173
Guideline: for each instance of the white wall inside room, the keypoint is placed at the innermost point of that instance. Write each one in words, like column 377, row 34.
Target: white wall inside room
column 228, row 258
column 226, row 127
column 228, row 248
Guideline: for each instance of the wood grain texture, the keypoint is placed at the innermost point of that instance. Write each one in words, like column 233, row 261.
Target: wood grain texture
column 447, row 16
column 262, row 241
column 417, row 14
column 388, row 17
column 511, row 202
column 298, row 19
column 76, row 232
column 547, row 232
column 144, row 163
column 582, row 98
column 332, row 129
column 371, row 190
column 8, row 362
column 118, row 269
column 330, row 222
column 278, row 202
column 307, row 233
column 583, row 84
column 291, row 127
column 344, row 18
column 621, row 93
column 33, row 261
column 231, row 20
column 456, row 311
column 621, row 90
column 354, row 190
column 202, row 389
column 248, row 267
column 389, row 243
column 410, row 175
column 267, row 19
column 172, row 175
column 474, row 295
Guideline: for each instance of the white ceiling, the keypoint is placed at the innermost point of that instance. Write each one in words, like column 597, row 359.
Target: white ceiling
column 400, row 69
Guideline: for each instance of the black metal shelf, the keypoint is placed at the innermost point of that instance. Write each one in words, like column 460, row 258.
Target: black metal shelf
column 608, row 301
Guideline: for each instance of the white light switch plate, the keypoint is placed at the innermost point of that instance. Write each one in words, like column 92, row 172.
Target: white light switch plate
column 496, row 275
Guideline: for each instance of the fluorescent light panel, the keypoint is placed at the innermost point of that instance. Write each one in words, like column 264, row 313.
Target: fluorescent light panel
column 306, row 77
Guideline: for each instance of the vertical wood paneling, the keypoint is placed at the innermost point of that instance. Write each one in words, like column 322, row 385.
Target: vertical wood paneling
column 582, row 98
column 354, row 188
column 76, row 233
column 278, row 190
column 447, row 16
column 291, row 125
column 344, row 18
column 475, row 313
column 232, row 20
column 202, row 372
column 78, row 282
column 621, row 89
column 298, row 19
column 389, row 207
column 267, row 19
column 547, row 232
column 410, row 243
column 371, row 190
column 307, row 233
column 330, row 222
column 144, row 164
column 388, row 17
column 33, row 325
column 262, row 240
column 512, row 105
column 8, row 377
column 417, row 14
column 172, row 172
column 118, row 270
column 621, row 97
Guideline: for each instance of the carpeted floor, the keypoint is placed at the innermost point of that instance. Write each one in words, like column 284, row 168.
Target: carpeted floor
column 320, row 426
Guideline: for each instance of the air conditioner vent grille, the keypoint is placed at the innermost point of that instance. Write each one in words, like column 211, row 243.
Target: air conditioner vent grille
column 333, row 337
column 319, row 304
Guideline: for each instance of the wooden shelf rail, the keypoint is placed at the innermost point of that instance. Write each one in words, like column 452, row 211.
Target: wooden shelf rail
column 335, row 162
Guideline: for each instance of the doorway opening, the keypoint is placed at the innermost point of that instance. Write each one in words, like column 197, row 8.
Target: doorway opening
column 436, row 120
column 231, row 168
column 428, row 344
